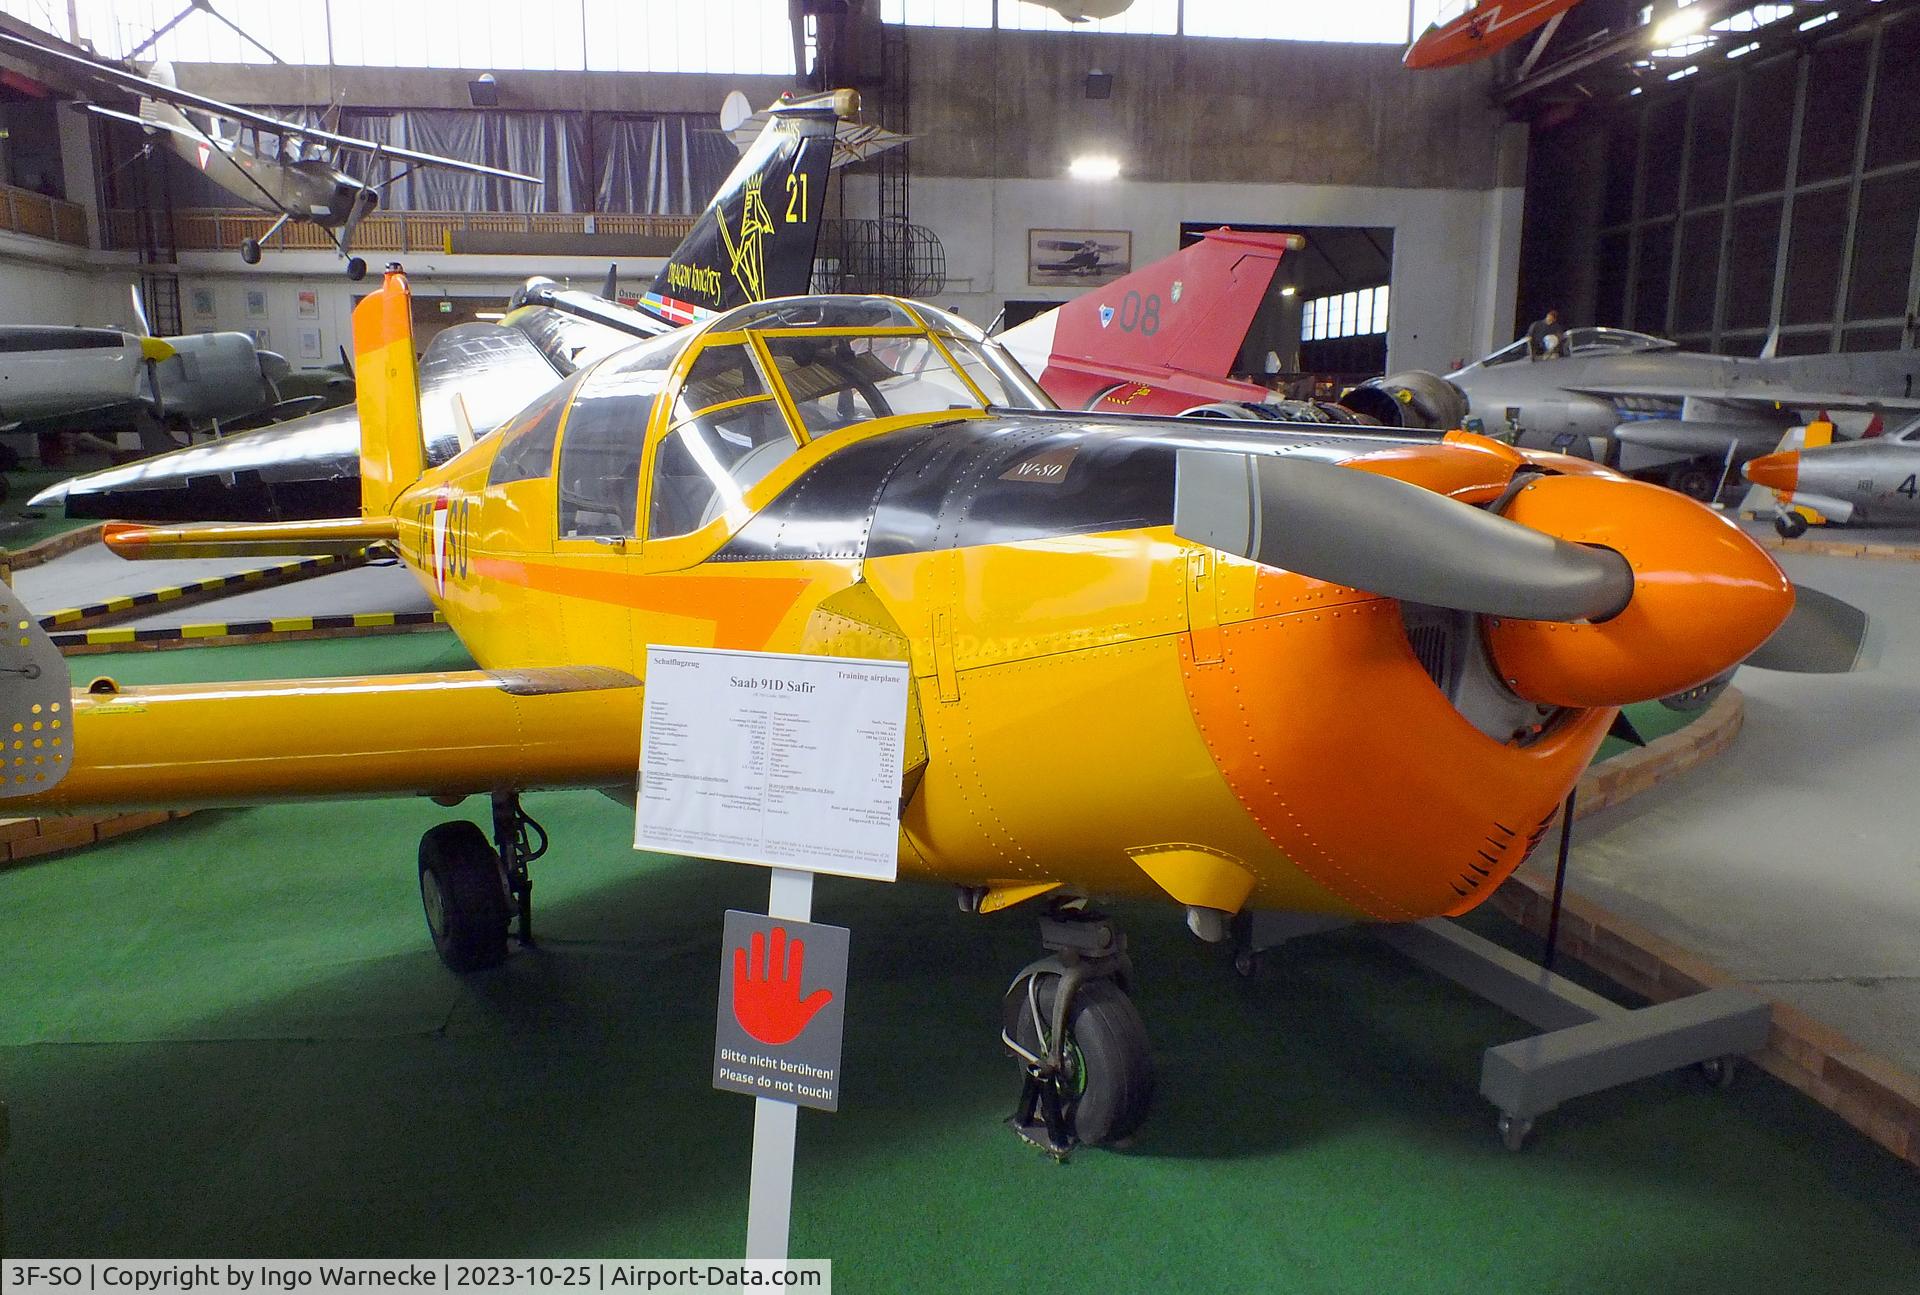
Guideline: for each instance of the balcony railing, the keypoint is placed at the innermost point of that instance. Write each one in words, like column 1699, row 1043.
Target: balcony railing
column 25, row 212
column 386, row 231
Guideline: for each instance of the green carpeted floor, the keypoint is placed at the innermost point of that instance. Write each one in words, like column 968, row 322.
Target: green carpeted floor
column 229, row 1036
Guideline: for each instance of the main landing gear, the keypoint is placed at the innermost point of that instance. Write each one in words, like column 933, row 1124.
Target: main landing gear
column 475, row 891
column 1079, row 1038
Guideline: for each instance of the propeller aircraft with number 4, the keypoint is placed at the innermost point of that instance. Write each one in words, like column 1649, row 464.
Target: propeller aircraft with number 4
column 1222, row 666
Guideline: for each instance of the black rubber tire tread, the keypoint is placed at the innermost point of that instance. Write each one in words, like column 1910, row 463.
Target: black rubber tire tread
column 1118, row 1058
column 463, row 862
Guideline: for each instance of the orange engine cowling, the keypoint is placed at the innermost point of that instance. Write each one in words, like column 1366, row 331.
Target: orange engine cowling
column 1704, row 596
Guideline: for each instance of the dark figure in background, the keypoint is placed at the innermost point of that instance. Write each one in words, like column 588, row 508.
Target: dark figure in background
column 1544, row 336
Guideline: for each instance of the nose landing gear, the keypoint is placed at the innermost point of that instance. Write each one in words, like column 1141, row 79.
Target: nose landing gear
column 475, row 892
column 1080, row 1040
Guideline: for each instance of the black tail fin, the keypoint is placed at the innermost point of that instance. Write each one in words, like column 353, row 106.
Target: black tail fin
column 756, row 238
column 611, row 288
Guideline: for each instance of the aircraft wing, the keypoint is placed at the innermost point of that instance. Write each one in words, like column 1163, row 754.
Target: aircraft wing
column 1758, row 398
column 119, row 76
column 310, row 467
column 444, row 734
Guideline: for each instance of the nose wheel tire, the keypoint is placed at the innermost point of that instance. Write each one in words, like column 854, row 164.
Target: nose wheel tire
column 464, row 896
column 1790, row 525
column 356, row 268
column 1106, row 1074
column 250, row 252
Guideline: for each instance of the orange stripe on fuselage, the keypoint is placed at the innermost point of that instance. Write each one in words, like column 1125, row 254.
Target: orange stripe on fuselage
column 745, row 610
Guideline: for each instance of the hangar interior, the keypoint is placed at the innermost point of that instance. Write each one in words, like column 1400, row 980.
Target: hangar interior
column 222, row 1034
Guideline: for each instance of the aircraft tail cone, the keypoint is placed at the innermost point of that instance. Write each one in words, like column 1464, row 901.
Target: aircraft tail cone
column 1775, row 471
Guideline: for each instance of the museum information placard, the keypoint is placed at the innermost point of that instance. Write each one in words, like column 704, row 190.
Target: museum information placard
column 784, row 760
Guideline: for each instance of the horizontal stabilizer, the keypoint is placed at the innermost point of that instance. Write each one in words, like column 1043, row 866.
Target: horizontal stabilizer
column 248, row 539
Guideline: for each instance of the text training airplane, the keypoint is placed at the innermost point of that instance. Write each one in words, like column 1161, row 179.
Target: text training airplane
column 1221, row 667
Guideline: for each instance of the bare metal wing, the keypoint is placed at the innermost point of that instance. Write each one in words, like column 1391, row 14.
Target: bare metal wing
column 1767, row 396
column 179, row 98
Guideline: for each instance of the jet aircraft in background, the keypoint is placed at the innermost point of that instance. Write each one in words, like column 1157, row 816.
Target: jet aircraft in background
column 1206, row 664
column 1875, row 481
column 1683, row 417
column 1164, row 339
column 295, row 180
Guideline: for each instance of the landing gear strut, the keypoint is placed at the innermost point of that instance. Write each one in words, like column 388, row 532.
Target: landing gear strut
column 475, row 892
column 1079, row 1038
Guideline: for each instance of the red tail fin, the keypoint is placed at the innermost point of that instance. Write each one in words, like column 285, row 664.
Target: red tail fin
column 1176, row 325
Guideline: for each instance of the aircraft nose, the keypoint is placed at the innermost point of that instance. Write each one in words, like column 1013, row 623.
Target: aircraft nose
column 1777, row 471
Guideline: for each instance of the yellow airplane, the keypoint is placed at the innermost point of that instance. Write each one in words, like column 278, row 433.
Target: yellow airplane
column 1300, row 668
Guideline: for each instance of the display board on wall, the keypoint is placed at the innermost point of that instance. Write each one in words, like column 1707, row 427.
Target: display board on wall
column 1078, row 258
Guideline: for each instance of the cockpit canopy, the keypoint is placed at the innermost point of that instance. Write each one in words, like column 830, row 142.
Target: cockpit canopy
column 707, row 413
column 1584, row 342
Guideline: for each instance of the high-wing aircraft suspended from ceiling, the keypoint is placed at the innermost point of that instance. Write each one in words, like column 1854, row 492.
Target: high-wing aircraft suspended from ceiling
column 1480, row 30
column 296, row 181
column 473, row 376
column 1214, row 666
column 1652, row 409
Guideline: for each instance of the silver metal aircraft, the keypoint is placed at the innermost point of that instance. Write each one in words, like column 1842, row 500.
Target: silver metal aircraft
column 1642, row 404
column 1875, row 481
column 295, row 179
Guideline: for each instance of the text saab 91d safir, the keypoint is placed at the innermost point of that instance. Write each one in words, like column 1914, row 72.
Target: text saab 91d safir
column 1280, row 667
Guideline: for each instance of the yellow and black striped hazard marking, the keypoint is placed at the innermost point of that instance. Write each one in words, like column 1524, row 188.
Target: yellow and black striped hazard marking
column 279, row 625
column 297, row 569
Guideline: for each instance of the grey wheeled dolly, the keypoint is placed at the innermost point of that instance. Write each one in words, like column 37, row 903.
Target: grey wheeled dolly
column 1589, row 1042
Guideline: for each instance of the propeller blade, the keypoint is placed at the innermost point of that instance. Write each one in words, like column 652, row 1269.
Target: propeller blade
column 139, row 312
column 1823, row 635
column 1390, row 538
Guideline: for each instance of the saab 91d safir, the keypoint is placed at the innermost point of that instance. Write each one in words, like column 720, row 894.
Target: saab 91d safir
column 1286, row 668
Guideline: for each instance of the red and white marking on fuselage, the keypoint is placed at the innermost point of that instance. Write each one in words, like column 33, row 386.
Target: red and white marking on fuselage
column 440, row 545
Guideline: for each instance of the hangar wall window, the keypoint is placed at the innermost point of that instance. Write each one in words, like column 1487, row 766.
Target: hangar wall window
column 1385, row 22
column 1345, row 314
column 1783, row 193
column 1389, row 22
column 740, row 37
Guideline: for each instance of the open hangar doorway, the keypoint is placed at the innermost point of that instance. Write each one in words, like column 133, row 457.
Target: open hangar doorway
column 1323, row 326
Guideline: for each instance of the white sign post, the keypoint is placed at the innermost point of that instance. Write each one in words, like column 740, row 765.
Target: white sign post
column 788, row 761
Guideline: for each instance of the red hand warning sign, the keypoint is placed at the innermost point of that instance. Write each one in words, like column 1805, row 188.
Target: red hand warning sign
column 766, row 988
column 783, row 990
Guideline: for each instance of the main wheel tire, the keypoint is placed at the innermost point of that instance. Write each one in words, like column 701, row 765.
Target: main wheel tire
column 1694, row 483
column 1109, row 1082
column 464, row 896
column 1790, row 525
column 356, row 268
column 250, row 252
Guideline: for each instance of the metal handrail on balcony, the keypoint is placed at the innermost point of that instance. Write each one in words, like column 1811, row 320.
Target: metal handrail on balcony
column 22, row 211
column 208, row 230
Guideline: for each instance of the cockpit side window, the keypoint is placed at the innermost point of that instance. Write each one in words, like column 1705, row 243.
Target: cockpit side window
column 599, row 472
column 1507, row 354
column 728, row 433
column 526, row 442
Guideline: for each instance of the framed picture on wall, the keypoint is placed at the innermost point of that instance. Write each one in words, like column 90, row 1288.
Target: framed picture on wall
column 202, row 300
column 1078, row 258
column 308, row 300
column 256, row 303
column 310, row 342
